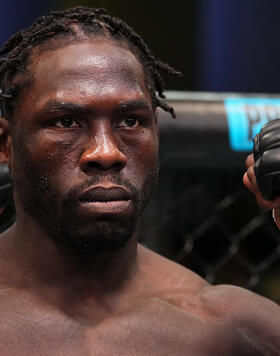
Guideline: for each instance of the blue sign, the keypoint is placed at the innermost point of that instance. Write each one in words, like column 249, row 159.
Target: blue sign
column 246, row 116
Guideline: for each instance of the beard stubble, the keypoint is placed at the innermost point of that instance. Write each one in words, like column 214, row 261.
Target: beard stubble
column 59, row 219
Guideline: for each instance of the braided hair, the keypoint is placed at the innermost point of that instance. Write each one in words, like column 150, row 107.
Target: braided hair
column 63, row 24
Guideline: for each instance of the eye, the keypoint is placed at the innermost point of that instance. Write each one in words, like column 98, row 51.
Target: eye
column 130, row 122
column 66, row 122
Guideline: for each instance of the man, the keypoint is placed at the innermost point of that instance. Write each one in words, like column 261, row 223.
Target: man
column 80, row 97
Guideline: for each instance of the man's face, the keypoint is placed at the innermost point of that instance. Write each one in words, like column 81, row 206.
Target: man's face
column 84, row 144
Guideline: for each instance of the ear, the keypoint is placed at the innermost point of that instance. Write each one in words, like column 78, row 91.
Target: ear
column 5, row 141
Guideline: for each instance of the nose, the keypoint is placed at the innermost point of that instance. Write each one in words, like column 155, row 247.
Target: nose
column 102, row 151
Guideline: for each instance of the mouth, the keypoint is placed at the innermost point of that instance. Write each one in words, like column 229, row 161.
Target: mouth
column 106, row 201
column 103, row 195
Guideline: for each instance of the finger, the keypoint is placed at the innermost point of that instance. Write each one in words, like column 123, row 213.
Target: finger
column 250, row 160
column 249, row 180
column 247, row 183
column 252, row 179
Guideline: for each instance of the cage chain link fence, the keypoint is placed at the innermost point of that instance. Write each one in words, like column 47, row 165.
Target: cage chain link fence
column 201, row 215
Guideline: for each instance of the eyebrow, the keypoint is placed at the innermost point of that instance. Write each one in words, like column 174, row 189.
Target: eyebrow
column 134, row 104
column 54, row 105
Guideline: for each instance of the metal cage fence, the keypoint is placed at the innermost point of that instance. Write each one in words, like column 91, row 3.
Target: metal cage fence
column 201, row 215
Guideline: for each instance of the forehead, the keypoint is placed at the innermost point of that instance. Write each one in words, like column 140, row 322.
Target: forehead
column 97, row 67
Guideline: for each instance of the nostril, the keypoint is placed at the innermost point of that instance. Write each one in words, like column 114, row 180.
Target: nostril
column 92, row 165
column 118, row 165
column 101, row 166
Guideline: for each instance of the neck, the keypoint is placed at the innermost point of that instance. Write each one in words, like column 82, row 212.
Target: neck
column 44, row 264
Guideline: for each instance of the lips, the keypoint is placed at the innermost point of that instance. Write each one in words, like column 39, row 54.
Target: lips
column 101, row 202
column 100, row 194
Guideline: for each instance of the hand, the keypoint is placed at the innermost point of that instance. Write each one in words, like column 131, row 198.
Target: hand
column 249, row 179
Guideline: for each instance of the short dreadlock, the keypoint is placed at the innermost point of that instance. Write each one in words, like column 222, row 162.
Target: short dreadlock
column 63, row 24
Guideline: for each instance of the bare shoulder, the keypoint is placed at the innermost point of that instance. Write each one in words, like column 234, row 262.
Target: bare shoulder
column 216, row 300
column 244, row 306
column 236, row 300
column 254, row 317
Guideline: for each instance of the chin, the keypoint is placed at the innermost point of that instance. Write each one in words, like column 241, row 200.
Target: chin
column 101, row 236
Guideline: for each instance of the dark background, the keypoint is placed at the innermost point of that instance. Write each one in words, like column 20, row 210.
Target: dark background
column 219, row 45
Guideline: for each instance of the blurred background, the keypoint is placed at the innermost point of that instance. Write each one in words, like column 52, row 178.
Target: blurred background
column 229, row 52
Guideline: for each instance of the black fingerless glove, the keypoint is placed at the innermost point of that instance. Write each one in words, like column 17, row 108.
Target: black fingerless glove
column 267, row 159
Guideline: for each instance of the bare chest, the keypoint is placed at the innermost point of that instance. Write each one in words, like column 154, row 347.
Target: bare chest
column 150, row 329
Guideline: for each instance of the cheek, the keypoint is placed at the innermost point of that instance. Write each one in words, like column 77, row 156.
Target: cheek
column 143, row 158
column 45, row 155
